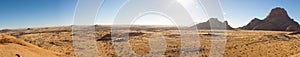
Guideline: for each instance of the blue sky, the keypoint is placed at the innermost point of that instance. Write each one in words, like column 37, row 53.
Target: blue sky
column 36, row 13
column 44, row 13
column 240, row 12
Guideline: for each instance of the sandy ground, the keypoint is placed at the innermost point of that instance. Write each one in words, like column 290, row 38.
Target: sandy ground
column 239, row 43
column 12, row 47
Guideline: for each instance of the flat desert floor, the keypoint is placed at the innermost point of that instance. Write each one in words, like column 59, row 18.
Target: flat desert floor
column 240, row 43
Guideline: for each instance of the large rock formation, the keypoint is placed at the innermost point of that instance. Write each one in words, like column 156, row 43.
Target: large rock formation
column 214, row 23
column 277, row 19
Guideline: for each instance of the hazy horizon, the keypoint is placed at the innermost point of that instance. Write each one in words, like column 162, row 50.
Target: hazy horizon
column 48, row 13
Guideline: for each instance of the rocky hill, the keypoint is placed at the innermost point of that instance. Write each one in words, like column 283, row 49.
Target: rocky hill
column 277, row 19
column 214, row 23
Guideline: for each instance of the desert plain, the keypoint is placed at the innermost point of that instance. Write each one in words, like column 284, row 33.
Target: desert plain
column 57, row 41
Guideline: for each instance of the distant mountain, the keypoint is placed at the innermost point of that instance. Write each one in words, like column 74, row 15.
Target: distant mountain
column 213, row 23
column 277, row 19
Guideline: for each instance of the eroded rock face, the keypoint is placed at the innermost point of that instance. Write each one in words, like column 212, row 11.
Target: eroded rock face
column 214, row 23
column 277, row 19
column 253, row 23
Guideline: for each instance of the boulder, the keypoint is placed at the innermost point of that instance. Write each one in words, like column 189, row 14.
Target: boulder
column 295, row 32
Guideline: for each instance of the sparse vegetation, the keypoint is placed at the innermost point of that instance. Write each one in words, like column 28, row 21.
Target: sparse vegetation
column 241, row 43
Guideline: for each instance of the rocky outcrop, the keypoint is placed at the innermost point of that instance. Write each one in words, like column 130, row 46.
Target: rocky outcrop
column 214, row 23
column 277, row 19
column 295, row 32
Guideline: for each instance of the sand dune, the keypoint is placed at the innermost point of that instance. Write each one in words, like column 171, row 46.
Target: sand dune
column 13, row 47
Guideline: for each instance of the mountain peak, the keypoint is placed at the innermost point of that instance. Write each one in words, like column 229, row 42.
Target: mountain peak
column 277, row 19
column 213, row 23
column 277, row 12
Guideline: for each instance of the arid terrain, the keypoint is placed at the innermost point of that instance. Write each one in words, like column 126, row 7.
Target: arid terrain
column 58, row 40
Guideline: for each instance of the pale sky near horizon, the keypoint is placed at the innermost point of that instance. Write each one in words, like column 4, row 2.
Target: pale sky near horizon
column 44, row 13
